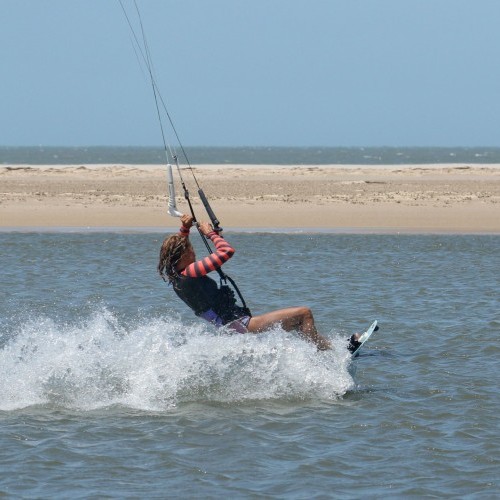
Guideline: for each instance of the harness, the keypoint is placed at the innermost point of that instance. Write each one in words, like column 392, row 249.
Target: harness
column 216, row 304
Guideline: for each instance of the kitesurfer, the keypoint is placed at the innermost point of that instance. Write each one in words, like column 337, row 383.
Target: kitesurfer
column 178, row 266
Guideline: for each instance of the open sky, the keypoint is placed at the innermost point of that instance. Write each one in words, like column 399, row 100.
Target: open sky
column 252, row 72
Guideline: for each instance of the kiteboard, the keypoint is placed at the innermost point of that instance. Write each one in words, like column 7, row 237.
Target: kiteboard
column 364, row 337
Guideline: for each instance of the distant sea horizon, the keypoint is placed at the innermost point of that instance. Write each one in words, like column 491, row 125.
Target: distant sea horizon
column 245, row 155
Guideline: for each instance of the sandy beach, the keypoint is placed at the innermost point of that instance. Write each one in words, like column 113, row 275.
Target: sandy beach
column 445, row 198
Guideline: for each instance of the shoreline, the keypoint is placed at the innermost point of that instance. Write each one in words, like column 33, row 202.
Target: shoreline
column 366, row 231
column 353, row 199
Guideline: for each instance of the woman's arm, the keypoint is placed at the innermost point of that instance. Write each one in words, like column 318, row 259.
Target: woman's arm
column 223, row 252
column 187, row 222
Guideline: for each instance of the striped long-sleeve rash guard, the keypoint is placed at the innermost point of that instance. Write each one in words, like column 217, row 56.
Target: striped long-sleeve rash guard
column 223, row 252
column 215, row 304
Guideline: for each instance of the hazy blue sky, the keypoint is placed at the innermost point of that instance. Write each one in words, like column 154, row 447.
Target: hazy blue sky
column 253, row 72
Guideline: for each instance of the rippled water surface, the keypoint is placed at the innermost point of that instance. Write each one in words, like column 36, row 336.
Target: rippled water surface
column 109, row 387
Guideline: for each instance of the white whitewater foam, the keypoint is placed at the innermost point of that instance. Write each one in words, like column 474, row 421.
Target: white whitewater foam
column 159, row 363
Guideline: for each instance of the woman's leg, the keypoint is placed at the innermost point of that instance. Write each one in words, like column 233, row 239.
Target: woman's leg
column 292, row 318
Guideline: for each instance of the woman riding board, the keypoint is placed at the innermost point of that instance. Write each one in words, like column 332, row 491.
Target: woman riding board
column 178, row 266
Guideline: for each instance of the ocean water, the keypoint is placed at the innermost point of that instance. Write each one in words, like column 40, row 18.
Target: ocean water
column 110, row 388
column 250, row 155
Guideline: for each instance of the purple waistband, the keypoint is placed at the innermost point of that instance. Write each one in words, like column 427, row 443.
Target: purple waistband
column 238, row 325
column 212, row 317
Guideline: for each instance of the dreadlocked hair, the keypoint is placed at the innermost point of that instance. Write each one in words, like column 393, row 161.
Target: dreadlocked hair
column 172, row 249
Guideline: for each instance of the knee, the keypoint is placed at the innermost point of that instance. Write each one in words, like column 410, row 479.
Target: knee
column 305, row 313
